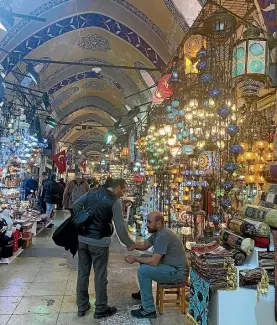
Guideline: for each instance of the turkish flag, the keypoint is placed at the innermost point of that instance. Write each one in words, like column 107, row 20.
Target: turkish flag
column 60, row 160
column 83, row 164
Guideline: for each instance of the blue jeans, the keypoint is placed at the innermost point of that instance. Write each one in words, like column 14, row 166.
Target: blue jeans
column 49, row 209
column 160, row 274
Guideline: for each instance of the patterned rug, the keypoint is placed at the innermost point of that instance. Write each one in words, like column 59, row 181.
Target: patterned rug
column 274, row 232
column 199, row 298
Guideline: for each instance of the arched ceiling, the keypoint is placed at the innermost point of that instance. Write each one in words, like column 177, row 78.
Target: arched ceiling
column 114, row 32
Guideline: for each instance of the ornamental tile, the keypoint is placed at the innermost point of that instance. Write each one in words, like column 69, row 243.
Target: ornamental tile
column 94, row 42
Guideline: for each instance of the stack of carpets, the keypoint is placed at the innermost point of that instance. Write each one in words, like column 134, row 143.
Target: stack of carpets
column 215, row 264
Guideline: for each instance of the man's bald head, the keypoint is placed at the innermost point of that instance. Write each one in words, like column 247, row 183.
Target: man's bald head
column 155, row 221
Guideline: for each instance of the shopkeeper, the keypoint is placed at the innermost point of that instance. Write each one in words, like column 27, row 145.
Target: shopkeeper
column 168, row 263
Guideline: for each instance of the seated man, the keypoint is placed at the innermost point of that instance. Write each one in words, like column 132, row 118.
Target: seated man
column 167, row 264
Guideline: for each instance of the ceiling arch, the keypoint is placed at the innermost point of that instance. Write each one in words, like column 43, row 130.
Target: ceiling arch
column 81, row 21
column 87, row 111
column 85, row 119
column 91, row 101
column 73, row 135
column 92, row 148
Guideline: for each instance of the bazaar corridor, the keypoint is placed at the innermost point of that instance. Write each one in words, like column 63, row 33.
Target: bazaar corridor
column 39, row 288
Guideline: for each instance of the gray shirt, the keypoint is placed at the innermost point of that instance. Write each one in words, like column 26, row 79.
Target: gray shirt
column 167, row 243
column 118, row 222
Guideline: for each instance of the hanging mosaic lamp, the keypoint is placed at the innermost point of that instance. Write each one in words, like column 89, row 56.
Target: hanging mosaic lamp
column 236, row 149
column 175, row 103
column 230, row 167
column 232, row 129
column 223, row 112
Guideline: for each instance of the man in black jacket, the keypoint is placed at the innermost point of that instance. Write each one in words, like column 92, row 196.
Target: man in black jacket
column 94, row 244
column 51, row 194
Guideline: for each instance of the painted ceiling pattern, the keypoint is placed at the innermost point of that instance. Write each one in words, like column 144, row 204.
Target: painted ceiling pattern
column 79, row 22
column 65, row 95
column 81, row 76
column 94, row 42
column 94, row 85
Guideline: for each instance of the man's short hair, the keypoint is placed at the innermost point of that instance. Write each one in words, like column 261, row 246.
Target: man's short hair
column 119, row 182
column 44, row 174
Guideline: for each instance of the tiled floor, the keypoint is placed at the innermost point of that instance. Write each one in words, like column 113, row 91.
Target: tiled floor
column 39, row 288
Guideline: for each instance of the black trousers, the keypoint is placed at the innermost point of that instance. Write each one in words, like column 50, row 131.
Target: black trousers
column 98, row 257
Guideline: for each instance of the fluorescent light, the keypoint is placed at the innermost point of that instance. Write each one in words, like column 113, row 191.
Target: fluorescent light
column 115, row 120
column 79, row 152
column 136, row 119
column 3, row 27
column 128, row 108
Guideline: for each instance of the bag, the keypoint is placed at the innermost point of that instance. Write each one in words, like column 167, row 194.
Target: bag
column 66, row 236
column 81, row 219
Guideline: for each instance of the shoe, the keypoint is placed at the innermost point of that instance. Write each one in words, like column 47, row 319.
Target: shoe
column 110, row 311
column 141, row 313
column 83, row 313
column 136, row 295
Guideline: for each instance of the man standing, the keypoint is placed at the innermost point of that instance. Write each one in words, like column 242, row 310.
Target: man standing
column 74, row 190
column 94, row 244
column 166, row 265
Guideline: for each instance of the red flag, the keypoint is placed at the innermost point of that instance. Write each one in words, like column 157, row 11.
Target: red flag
column 60, row 161
column 83, row 164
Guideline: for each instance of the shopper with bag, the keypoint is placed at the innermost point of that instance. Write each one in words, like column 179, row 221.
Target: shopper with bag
column 73, row 191
column 94, row 213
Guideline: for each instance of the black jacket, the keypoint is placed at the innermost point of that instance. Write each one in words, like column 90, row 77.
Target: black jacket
column 100, row 223
column 51, row 192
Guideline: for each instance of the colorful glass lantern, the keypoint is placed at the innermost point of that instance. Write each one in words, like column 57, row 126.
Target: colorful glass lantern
column 251, row 61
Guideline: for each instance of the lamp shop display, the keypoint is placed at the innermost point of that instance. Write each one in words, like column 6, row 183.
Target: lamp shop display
column 20, row 153
column 208, row 151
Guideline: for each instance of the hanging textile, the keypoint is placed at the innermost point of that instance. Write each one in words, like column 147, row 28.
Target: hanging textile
column 274, row 232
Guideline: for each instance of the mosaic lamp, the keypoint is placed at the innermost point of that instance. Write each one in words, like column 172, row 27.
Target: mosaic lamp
column 250, row 64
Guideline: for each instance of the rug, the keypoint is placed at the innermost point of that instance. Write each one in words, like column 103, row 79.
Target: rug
column 199, row 298
column 236, row 241
column 255, row 212
column 274, row 232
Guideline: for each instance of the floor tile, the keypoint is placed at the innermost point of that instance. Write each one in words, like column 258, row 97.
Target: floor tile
column 39, row 305
column 56, row 267
column 8, row 305
column 13, row 289
column 124, row 318
column 55, row 276
column 71, row 288
column 14, row 276
column 34, row 319
column 4, row 319
column 69, row 304
column 46, row 289
column 73, row 319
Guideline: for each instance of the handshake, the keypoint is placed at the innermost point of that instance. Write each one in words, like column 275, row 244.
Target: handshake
column 130, row 259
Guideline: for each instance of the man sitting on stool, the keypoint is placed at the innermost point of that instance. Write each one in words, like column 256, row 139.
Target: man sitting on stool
column 168, row 263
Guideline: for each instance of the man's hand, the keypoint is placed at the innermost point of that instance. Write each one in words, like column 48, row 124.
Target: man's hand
column 130, row 259
column 132, row 247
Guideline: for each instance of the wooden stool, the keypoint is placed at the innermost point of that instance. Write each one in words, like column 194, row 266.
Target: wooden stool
column 177, row 289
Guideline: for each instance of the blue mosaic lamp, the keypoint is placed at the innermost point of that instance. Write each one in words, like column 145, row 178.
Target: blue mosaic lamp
column 180, row 125
column 206, row 77
column 232, row 129
column 169, row 109
column 251, row 62
column 224, row 111
column 225, row 203
column 230, row 167
column 227, row 185
column 175, row 103
column 236, row 149
column 202, row 54
column 170, row 117
column 202, row 65
column 214, row 92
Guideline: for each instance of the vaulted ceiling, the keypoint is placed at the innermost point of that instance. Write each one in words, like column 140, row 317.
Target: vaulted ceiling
column 137, row 33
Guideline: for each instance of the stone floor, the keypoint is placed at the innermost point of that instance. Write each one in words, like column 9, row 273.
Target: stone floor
column 38, row 288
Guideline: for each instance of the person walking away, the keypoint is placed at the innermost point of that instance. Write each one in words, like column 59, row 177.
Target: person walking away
column 73, row 191
column 51, row 195
column 42, row 192
column 31, row 186
column 168, row 263
column 94, row 244
column 61, row 185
